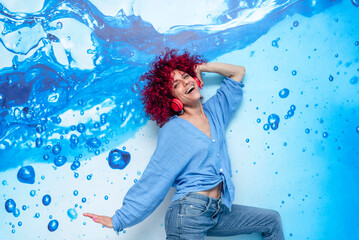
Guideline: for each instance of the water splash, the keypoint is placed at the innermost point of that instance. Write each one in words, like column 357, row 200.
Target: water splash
column 57, row 71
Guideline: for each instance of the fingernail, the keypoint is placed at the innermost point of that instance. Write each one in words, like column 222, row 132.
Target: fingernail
column 94, row 218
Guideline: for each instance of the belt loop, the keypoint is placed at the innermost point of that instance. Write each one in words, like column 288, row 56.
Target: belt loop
column 209, row 202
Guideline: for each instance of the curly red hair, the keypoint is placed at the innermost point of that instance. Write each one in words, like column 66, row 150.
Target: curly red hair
column 156, row 94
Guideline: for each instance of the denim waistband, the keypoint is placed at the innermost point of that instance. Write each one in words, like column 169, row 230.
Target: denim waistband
column 201, row 198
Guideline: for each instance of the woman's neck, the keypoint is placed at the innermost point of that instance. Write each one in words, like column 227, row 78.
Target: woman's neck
column 193, row 112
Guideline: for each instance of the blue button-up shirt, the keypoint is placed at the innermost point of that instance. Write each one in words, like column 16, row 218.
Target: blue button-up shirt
column 186, row 159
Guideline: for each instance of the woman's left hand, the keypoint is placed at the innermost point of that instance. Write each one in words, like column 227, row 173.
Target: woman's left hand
column 104, row 220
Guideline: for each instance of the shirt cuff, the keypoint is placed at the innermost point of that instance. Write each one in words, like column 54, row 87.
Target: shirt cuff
column 241, row 84
column 117, row 227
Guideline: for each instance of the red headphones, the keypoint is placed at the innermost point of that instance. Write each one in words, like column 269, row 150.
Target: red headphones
column 177, row 105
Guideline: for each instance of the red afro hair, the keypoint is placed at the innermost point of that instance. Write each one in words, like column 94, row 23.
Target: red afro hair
column 156, row 94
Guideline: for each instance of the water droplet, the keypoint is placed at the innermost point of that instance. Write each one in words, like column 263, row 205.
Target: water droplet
column 266, row 127
column 135, row 88
column 103, row 117
column 247, row 140
column 16, row 213
column 295, row 24
column 74, row 139
column 274, row 126
column 81, row 127
column 106, row 197
column 10, row 205
column 258, row 120
column 72, row 213
column 46, row 199
column 24, row 207
column 275, row 43
column 53, row 225
column 273, row 118
column 354, row 80
column 331, row 78
column 76, row 164
column 4, row 182
column 357, row 128
column 284, row 93
column 307, row 131
column 284, row 144
column 19, row 223
column 275, row 68
column 46, row 157
column 32, row 193
column 93, row 142
column 38, row 142
column 83, row 199
column 37, row 215
column 118, row 159
column 40, row 129
column 60, row 160
column 290, row 113
column 56, row 149
column 89, row 177
column 59, row 25
column 294, row 72
column 325, row 134
column 26, row 174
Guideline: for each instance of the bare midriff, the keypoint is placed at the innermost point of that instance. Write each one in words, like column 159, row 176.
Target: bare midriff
column 213, row 192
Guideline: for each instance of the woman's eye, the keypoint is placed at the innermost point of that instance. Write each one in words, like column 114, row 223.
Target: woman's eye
column 185, row 76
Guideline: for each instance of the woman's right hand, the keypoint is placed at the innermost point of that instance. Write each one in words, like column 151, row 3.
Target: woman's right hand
column 104, row 220
column 198, row 70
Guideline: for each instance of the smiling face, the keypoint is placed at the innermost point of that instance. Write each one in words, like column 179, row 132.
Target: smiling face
column 185, row 88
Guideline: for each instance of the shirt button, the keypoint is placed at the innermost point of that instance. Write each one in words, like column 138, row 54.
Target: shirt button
column 213, row 140
column 221, row 170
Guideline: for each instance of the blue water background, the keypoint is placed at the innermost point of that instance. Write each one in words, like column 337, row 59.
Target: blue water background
column 69, row 64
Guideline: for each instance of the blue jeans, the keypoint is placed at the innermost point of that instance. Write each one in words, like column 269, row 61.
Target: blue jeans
column 195, row 216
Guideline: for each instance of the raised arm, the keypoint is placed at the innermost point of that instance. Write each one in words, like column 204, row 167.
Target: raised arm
column 228, row 70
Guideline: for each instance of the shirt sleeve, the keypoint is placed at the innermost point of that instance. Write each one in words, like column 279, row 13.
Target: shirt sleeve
column 150, row 190
column 226, row 100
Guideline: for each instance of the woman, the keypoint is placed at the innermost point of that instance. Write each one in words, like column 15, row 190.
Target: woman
column 191, row 155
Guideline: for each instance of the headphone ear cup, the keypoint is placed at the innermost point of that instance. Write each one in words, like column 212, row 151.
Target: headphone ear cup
column 176, row 105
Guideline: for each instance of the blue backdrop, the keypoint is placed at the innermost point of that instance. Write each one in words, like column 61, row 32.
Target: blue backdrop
column 69, row 94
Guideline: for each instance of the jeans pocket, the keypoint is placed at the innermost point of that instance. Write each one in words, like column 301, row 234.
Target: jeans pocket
column 167, row 218
column 192, row 209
